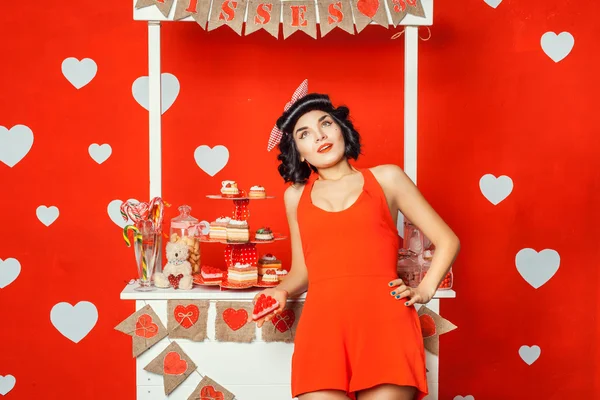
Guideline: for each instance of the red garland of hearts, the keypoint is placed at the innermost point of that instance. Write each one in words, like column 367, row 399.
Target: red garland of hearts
column 427, row 325
column 186, row 316
column 173, row 364
column 284, row 320
column 210, row 393
column 235, row 319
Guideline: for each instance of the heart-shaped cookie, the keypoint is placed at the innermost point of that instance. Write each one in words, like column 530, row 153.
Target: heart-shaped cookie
column 427, row 325
column 235, row 319
column 284, row 321
column 145, row 327
column 173, row 364
column 186, row 316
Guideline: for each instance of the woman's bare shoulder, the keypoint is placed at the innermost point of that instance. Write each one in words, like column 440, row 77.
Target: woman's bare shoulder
column 387, row 173
column 292, row 195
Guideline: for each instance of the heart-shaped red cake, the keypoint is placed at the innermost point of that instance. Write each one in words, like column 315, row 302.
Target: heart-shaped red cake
column 264, row 305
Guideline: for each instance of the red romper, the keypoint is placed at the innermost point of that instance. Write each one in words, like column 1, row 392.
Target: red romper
column 353, row 334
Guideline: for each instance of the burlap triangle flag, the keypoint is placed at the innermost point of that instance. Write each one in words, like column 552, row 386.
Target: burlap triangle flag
column 263, row 14
column 335, row 13
column 401, row 8
column 227, row 12
column 432, row 326
column 208, row 389
column 145, row 327
column 231, row 323
column 282, row 328
column 299, row 15
column 366, row 11
column 164, row 6
column 186, row 319
column 174, row 365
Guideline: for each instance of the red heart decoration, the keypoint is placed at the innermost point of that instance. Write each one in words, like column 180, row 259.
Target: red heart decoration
column 209, row 393
column 186, row 316
column 173, row 364
column 235, row 319
column 427, row 325
column 284, row 321
column 368, row 7
column 174, row 280
column 145, row 327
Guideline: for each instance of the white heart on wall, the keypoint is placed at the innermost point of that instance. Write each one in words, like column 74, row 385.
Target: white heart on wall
column 100, row 153
column 47, row 215
column 15, row 144
column 530, row 354
column 212, row 160
column 114, row 212
column 7, row 383
column 79, row 73
column 557, row 47
column 169, row 91
column 495, row 189
column 537, row 268
column 468, row 397
column 493, row 3
column 74, row 322
column 9, row 271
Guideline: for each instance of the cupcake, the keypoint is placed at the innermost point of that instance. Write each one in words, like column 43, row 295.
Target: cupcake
column 257, row 192
column 263, row 234
column 229, row 189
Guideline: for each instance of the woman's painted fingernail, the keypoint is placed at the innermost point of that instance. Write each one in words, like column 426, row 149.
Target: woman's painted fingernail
column 398, row 296
column 393, row 293
column 391, row 283
column 406, row 304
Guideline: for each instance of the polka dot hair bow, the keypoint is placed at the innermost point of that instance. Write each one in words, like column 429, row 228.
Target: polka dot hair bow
column 276, row 134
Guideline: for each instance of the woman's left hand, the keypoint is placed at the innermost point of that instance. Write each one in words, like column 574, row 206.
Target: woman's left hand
column 412, row 295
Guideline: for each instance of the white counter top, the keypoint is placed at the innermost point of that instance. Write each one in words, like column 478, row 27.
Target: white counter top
column 216, row 293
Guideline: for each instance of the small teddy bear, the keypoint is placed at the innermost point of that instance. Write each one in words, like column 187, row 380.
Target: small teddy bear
column 178, row 271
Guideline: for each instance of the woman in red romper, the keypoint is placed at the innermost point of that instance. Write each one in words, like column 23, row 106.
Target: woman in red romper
column 359, row 334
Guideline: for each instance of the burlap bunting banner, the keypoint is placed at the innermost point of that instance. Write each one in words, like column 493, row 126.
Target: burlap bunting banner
column 227, row 12
column 231, row 324
column 299, row 15
column 282, row 328
column 163, row 5
column 198, row 9
column 432, row 326
column 145, row 327
column 186, row 319
column 208, row 389
column 401, row 8
column 263, row 15
column 174, row 365
column 335, row 13
column 366, row 11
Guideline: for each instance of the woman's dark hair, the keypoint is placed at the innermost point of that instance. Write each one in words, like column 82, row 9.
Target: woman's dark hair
column 291, row 168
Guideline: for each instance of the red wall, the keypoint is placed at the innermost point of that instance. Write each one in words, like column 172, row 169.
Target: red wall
column 490, row 101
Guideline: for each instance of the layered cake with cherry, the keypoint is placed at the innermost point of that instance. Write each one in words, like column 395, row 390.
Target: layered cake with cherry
column 263, row 234
column 218, row 228
column 242, row 274
column 238, row 231
column 211, row 274
column 268, row 261
column 229, row 189
column 257, row 192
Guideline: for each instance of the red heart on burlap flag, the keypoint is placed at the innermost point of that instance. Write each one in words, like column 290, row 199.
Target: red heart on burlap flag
column 186, row 316
column 209, row 393
column 145, row 327
column 427, row 325
column 284, row 321
column 368, row 7
column 174, row 365
column 235, row 319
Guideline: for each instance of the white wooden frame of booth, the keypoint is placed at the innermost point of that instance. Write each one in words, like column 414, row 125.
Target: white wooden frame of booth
column 248, row 383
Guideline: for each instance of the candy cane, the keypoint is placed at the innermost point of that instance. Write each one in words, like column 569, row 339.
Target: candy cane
column 137, row 236
column 156, row 207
